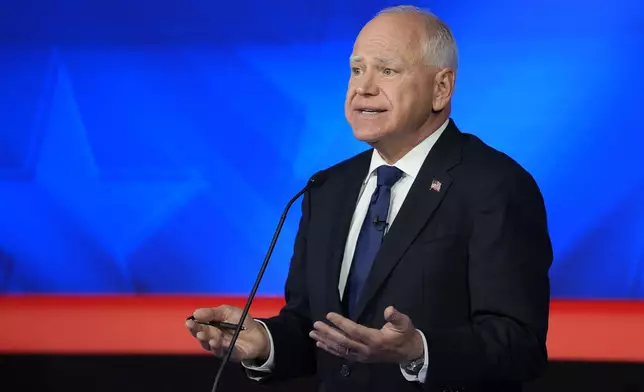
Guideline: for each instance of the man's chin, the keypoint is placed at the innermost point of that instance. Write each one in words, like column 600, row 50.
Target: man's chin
column 367, row 136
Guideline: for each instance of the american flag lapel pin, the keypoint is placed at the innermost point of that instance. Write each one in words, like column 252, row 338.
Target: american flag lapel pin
column 436, row 186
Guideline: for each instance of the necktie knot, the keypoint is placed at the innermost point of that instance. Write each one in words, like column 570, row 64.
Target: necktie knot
column 388, row 175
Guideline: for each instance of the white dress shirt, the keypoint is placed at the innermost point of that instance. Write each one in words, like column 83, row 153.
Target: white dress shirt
column 410, row 165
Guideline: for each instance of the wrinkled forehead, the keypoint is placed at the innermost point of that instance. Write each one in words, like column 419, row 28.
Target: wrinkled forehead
column 389, row 38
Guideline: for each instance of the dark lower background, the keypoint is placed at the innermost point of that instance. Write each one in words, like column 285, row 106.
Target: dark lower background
column 196, row 373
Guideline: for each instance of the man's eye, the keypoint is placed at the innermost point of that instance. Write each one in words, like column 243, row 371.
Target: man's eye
column 388, row 71
column 355, row 70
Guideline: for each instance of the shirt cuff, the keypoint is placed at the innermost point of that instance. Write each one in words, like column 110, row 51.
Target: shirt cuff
column 257, row 371
column 423, row 371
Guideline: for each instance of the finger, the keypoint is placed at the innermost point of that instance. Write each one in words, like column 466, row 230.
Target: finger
column 398, row 320
column 334, row 337
column 207, row 334
column 194, row 329
column 192, row 326
column 220, row 313
column 342, row 352
column 355, row 331
column 329, row 334
column 324, row 339
column 334, row 350
column 219, row 346
column 197, row 330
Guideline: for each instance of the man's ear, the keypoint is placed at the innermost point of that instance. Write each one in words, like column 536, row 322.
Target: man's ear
column 444, row 81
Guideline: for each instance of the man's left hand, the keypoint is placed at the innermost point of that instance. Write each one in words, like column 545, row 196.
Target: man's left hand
column 396, row 342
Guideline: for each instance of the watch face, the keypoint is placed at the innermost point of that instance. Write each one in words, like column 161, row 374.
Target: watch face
column 414, row 366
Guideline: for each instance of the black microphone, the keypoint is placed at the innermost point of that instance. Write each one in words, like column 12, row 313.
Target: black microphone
column 316, row 180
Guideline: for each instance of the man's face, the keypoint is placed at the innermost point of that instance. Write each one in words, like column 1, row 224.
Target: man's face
column 390, row 90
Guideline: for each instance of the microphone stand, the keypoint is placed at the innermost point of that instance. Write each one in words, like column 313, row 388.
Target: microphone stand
column 316, row 180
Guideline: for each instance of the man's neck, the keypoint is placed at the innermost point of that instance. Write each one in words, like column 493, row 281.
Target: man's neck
column 393, row 150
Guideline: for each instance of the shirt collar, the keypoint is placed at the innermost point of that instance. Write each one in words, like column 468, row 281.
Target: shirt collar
column 411, row 163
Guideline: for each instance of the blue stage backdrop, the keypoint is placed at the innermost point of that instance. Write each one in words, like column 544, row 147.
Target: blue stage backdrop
column 150, row 146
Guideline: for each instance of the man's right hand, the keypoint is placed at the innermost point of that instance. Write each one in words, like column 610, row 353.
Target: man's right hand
column 252, row 344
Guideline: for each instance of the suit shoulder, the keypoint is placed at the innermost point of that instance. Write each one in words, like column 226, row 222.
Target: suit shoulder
column 488, row 167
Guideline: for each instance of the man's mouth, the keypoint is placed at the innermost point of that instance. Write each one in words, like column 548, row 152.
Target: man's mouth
column 370, row 111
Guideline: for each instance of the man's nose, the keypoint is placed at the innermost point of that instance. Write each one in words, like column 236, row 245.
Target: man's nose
column 367, row 86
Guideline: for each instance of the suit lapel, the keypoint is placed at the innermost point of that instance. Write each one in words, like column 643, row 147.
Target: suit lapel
column 347, row 193
column 424, row 197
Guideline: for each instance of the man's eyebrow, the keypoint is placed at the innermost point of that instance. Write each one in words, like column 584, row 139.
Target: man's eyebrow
column 386, row 60
column 379, row 59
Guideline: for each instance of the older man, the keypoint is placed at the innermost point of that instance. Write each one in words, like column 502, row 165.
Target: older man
column 421, row 263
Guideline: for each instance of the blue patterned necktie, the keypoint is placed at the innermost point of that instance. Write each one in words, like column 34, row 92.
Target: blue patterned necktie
column 371, row 235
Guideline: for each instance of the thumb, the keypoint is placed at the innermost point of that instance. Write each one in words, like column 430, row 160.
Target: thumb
column 397, row 319
column 220, row 313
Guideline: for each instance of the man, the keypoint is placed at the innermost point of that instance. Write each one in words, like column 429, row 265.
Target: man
column 421, row 264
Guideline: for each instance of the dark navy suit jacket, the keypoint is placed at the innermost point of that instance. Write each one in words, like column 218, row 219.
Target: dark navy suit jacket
column 468, row 263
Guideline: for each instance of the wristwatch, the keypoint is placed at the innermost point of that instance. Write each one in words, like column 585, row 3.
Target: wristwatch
column 413, row 367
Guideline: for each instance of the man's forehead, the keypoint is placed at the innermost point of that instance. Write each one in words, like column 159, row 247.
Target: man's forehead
column 386, row 40
column 381, row 52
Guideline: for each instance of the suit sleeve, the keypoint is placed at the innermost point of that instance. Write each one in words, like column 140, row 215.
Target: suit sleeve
column 294, row 350
column 510, row 254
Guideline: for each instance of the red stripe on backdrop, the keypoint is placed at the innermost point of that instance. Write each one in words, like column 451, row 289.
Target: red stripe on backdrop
column 579, row 330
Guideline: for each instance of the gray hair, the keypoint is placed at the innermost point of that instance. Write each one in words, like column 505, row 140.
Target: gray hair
column 440, row 48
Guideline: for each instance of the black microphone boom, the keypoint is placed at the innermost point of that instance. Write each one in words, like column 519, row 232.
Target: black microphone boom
column 316, row 180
